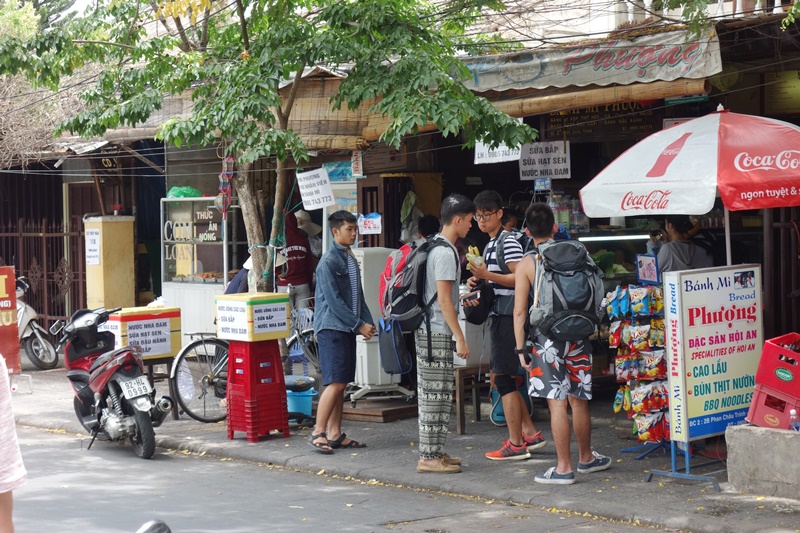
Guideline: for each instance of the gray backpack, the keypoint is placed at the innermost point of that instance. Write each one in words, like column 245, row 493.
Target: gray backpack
column 567, row 291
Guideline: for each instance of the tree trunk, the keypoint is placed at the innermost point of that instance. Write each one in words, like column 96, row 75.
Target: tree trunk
column 254, row 227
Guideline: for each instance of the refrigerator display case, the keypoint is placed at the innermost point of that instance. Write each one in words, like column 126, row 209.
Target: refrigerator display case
column 198, row 249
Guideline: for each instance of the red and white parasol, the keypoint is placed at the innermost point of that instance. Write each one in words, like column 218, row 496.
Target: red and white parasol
column 753, row 162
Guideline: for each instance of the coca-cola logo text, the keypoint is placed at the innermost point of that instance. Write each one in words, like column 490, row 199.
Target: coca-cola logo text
column 786, row 160
column 654, row 200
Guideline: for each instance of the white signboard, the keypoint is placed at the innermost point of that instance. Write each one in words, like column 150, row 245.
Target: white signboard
column 714, row 335
column 545, row 160
column 153, row 336
column 369, row 224
column 113, row 327
column 485, row 155
column 232, row 320
column 93, row 246
column 315, row 189
column 270, row 317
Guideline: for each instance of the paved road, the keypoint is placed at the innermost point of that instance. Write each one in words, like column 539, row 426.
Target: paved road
column 107, row 489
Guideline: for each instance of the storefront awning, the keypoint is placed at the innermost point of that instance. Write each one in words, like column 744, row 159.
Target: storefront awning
column 664, row 56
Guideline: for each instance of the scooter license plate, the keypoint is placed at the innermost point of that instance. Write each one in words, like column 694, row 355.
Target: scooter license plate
column 136, row 387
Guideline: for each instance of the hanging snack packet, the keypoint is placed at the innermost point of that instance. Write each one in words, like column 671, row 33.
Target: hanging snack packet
column 657, row 332
column 657, row 301
column 640, row 338
column 639, row 300
column 622, row 367
column 615, row 333
column 655, row 364
column 624, row 302
column 612, row 304
column 618, row 399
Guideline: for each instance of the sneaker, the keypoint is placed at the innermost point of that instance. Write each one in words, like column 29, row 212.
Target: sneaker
column 509, row 452
column 551, row 477
column 600, row 462
column 446, row 459
column 439, row 467
column 535, row 442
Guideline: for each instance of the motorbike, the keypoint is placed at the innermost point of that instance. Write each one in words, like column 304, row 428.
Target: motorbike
column 114, row 399
column 33, row 338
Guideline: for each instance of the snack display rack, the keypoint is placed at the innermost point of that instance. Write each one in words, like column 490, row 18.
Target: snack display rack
column 640, row 365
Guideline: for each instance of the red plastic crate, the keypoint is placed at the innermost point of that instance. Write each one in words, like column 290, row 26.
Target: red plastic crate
column 770, row 408
column 779, row 367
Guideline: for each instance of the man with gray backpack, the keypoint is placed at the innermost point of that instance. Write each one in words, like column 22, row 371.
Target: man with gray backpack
column 566, row 288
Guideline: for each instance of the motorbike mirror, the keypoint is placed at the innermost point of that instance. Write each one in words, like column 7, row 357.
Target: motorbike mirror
column 56, row 327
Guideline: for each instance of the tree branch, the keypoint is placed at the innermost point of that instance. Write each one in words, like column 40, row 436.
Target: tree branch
column 107, row 43
column 283, row 114
column 243, row 23
column 186, row 46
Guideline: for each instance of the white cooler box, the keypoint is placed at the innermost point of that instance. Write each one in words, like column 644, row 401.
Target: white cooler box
column 368, row 365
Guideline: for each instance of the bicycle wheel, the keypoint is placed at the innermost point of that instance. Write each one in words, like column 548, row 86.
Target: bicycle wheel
column 199, row 379
column 304, row 354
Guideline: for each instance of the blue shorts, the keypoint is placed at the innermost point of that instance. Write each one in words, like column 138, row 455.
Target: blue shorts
column 337, row 356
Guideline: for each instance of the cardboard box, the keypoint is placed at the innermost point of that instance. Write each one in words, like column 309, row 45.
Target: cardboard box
column 779, row 367
column 156, row 329
column 253, row 317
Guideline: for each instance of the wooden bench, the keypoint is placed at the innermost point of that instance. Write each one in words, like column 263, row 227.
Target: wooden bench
column 469, row 378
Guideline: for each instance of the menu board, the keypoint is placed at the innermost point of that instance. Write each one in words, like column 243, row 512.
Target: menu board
column 612, row 121
column 714, row 336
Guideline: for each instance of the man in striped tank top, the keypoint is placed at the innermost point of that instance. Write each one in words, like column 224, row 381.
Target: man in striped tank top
column 523, row 437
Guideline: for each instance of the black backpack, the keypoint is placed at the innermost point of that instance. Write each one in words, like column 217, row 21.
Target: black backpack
column 567, row 291
column 521, row 237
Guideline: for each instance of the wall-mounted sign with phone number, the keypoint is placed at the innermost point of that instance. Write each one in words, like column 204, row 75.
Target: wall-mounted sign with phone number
column 315, row 189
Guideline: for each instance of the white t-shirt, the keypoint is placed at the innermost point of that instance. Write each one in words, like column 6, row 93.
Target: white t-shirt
column 442, row 265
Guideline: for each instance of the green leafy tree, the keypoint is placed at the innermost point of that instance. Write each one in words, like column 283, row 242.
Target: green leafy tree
column 17, row 21
column 400, row 58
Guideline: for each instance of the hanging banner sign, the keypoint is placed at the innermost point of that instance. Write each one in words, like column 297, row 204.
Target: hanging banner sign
column 545, row 160
column 93, row 246
column 714, row 335
column 369, row 224
column 9, row 334
column 485, row 155
column 659, row 57
column 315, row 189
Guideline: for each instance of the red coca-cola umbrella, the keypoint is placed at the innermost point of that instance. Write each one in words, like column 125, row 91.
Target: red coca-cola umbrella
column 751, row 162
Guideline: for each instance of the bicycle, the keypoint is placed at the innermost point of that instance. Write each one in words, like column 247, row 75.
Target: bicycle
column 199, row 375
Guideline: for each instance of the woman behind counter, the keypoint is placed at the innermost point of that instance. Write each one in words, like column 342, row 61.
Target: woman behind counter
column 679, row 252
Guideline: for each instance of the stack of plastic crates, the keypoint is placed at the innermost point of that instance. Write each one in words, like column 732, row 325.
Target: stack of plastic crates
column 777, row 389
column 256, row 390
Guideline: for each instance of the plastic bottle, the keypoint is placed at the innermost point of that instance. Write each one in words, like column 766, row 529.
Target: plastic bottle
column 794, row 420
column 251, row 281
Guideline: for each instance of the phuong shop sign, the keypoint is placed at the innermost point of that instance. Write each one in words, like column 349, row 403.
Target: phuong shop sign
column 714, row 339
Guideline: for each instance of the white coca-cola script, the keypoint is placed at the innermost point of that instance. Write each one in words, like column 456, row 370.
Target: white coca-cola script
column 654, row 200
column 786, row 160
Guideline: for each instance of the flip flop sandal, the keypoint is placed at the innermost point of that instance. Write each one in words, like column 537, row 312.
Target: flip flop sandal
column 320, row 446
column 338, row 443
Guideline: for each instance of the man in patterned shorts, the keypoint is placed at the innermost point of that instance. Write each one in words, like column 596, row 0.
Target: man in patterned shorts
column 559, row 371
